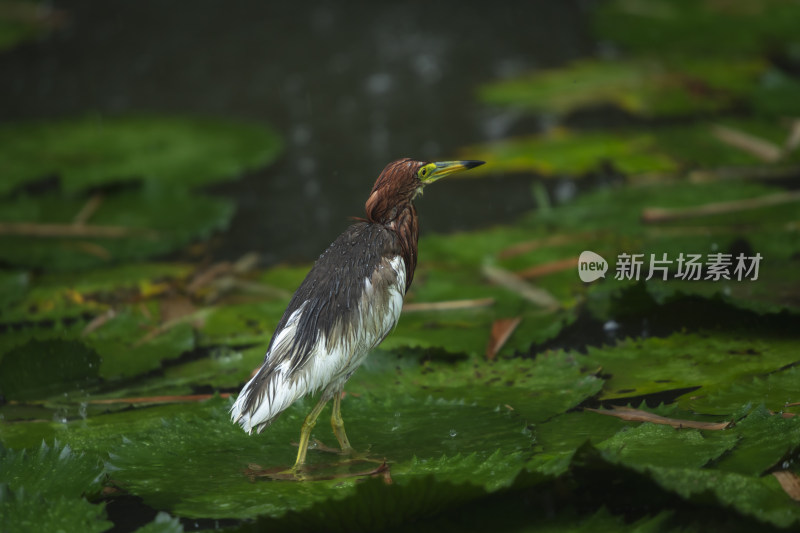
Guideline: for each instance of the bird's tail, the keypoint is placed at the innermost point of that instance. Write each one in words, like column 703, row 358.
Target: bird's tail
column 264, row 398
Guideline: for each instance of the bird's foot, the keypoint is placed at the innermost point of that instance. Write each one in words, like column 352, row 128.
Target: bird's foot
column 348, row 450
column 321, row 472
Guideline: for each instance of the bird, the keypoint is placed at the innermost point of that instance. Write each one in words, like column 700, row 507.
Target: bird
column 347, row 304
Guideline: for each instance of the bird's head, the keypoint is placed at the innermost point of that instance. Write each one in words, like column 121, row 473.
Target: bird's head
column 402, row 180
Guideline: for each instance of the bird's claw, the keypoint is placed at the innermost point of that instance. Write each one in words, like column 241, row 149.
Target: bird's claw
column 321, row 472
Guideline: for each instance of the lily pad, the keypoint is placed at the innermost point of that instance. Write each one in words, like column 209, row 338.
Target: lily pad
column 150, row 220
column 172, row 151
column 32, row 498
column 30, row 513
column 535, row 389
column 766, row 441
column 682, row 27
column 641, row 87
column 666, row 150
column 218, row 454
column 762, row 498
column 637, row 367
column 69, row 295
column 678, row 448
column 774, row 389
column 40, row 369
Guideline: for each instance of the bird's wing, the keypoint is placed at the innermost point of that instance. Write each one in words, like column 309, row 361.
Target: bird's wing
column 348, row 303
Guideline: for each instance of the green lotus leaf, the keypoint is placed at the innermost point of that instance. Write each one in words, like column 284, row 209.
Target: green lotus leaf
column 642, row 87
column 212, row 479
column 774, row 389
column 24, row 512
column 88, row 152
column 39, row 369
column 44, row 488
column 766, row 441
column 149, row 220
column 677, row 448
column 663, row 151
column 682, row 27
column 643, row 366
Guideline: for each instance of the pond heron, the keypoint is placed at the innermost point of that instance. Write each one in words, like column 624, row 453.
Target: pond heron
column 347, row 304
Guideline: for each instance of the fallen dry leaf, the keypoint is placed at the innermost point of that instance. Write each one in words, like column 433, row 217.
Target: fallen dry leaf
column 789, row 482
column 175, row 307
column 501, row 331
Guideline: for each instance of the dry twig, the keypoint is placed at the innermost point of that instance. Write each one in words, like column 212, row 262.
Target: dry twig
column 449, row 305
column 656, row 214
column 636, row 415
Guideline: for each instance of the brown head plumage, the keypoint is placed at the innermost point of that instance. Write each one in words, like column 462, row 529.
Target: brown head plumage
column 391, row 201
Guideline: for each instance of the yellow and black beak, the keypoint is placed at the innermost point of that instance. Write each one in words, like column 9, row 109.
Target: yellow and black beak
column 434, row 171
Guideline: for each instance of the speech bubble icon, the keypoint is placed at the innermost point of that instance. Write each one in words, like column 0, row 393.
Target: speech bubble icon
column 591, row 266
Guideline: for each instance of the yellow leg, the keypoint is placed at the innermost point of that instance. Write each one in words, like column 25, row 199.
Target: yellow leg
column 305, row 431
column 338, row 424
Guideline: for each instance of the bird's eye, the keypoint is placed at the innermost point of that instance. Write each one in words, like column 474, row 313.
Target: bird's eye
column 423, row 172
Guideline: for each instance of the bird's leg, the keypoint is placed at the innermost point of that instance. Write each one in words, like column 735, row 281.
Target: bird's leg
column 305, row 431
column 338, row 423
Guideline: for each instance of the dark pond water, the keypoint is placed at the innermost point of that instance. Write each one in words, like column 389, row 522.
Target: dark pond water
column 349, row 86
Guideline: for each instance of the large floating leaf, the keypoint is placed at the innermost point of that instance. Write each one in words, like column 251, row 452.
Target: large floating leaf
column 774, row 389
column 758, row 497
column 150, row 220
column 680, row 448
column 559, row 438
column 40, row 369
column 563, row 152
column 69, row 295
column 536, row 389
column 664, row 150
column 683, row 27
column 636, row 367
column 615, row 219
column 639, row 87
column 23, row 512
column 766, row 440
column 210, row 479
column 92, row 151
column 31, row 469
column 43, row 489
column 761, row 498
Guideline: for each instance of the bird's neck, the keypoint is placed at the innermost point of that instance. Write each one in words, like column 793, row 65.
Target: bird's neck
column 406, row 226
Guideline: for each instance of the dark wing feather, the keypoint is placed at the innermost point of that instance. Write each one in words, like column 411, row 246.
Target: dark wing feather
column 331, row 292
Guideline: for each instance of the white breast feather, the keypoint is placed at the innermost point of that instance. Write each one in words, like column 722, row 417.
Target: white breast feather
column 326, row 368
